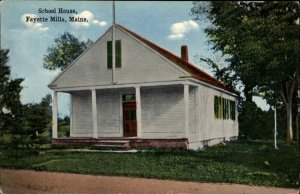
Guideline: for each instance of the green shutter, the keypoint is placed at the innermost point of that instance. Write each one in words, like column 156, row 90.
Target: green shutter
column 233, row 110
column 227, row 109
column 225, row 101
column 230, row 109
column 118, row 56
column 220, row 108
column 216, row 106
column 109, row 55
column 118, row 53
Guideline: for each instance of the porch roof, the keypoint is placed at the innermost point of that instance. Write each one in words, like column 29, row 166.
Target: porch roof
column 126, row 85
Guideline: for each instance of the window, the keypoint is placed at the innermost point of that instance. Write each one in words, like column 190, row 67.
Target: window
column 118, row 50
column 128, row 97
column 224, row 108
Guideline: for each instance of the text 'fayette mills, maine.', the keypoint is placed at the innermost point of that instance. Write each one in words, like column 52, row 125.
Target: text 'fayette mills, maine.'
column 56, row 18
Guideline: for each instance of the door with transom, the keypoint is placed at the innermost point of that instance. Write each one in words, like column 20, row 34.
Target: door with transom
column 129, row 116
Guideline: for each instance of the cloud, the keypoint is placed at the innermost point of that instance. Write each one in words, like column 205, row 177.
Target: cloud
column 37, row 26
column 180, row 29
column 175, row 36
column 90, row 18
column 100, row 23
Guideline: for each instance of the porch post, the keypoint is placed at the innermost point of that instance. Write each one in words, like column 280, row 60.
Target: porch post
column 71, row 115
column 94, row 113
column 138, row 111
column 54, row 114
column 186, row 109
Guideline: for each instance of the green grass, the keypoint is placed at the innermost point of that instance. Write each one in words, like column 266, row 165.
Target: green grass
column 239, row 162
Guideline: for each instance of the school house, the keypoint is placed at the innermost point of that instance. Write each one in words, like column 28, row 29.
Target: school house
column 144, row 96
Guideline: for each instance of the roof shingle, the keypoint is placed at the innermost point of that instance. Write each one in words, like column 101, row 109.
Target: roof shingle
column 190, row 68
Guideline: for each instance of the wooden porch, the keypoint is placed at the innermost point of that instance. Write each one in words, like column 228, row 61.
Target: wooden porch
column 122, row 142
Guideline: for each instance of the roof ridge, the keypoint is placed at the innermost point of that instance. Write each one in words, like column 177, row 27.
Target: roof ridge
column 192, row 69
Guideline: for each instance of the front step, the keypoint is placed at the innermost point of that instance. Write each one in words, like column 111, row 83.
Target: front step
column 112, row 144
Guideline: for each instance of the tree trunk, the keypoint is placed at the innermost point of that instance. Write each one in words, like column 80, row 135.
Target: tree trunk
column 288, row 102
column 297, row 128
column 289, row 125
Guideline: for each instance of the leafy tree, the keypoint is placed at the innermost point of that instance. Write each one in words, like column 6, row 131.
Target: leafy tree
column 261, row 40
column 23, row 123
column 33, row 122
column 46, row 102
column 10, row 104
column 262, row 122
column 66, row 49
column 36, row 120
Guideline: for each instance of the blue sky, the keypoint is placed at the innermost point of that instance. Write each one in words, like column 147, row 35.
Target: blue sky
column 168, row 24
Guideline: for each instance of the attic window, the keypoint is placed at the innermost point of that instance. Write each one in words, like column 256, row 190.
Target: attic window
column 118, row 50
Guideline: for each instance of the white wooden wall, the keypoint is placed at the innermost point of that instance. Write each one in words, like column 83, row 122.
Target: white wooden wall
column 211, row 130
column 109, row 115
column 139, row 64
column 192, row 110
column 162, row 112
column 82, row 124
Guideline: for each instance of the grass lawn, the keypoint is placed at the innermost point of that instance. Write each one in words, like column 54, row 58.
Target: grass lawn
column 238, row 162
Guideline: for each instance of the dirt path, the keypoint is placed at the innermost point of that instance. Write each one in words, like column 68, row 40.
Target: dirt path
column 28, row 181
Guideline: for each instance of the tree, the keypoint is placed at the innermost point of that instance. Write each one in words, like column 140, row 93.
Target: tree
column 46, row 102
column 10, row 104
column 36, row 120
column 33, row 120
column 262, row 122
column 66, row 49
column 262, row 42
column 23, row 123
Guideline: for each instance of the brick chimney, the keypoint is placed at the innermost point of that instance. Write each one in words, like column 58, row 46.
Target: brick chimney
column 184, row 53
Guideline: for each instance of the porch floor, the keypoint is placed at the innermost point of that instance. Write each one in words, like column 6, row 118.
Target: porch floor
column 133, row 142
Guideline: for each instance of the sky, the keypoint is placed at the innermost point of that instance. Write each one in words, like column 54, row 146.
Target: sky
column 167, row 24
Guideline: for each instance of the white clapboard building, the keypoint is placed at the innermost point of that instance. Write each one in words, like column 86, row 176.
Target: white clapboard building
column 149, row 98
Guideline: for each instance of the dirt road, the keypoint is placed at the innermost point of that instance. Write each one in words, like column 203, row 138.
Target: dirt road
column 28, row 181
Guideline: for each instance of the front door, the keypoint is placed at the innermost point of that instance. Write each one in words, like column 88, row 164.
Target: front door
column 129, row 119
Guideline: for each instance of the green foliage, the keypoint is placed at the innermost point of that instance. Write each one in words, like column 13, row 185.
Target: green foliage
column 64, row 127
column 66, row 49
column 20, row 125
column 34, row 120
column 240, row 162
column 258, row 38
column 261, row 42
column 257, row 124
column 10, row 104
column 26, row 129
column 46, row 102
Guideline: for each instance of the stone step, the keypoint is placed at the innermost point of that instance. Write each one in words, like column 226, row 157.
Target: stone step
column 108, row 145
column 112, row 144
column 114, row 141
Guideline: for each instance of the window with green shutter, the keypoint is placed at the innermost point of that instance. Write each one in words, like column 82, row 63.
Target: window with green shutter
column 224, row 108
column 118, row 56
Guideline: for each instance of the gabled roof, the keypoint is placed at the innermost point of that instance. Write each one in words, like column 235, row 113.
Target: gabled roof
column 190, row 68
